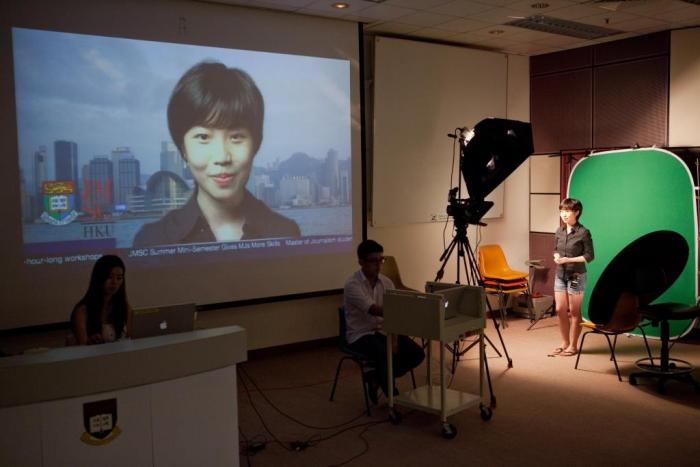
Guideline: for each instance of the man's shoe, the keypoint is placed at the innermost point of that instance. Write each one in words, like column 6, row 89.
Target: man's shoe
column 372, row 387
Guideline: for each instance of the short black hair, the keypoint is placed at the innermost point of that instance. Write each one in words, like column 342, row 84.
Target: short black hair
column 367, row 247
column 210, row 94
column 572, row 204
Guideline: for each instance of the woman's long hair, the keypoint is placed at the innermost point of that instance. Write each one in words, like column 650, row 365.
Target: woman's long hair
column 93, row 298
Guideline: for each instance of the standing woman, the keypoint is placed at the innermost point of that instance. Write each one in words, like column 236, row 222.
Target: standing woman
column 103, row 314
column 573, row 248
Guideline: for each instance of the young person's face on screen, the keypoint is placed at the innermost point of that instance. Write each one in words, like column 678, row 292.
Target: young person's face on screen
column 114, row 281
column 220, row 161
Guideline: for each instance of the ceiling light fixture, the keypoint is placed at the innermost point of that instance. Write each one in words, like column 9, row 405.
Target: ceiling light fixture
column 563, row 27
column 340, row 5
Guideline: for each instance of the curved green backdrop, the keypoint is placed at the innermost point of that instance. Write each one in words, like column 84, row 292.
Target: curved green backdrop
column 630, row 193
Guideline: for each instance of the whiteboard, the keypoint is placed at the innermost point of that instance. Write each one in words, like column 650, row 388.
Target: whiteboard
column 422, row 92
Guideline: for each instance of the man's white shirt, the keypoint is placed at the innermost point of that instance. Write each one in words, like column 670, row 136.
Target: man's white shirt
column 358, row 297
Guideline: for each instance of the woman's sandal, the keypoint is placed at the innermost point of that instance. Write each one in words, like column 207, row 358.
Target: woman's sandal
column 557, row 351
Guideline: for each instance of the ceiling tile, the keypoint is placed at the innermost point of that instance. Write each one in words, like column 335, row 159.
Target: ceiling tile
column 498, row 15
column 684, row 14
column 640, row 23
column 463, row 8
column 525, row 6
column 327, row 5
column 574, row 13
column 462, row 25
column 386, row 12
column 432, row 33
column 423, row 18
column 653, row 7
column 608, row 20
column 417, row 4
column 393, row 28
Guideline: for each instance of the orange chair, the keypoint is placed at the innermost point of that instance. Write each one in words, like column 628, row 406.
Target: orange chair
column 499, row 278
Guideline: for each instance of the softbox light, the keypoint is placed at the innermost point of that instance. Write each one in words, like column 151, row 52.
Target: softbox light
column 497, row 148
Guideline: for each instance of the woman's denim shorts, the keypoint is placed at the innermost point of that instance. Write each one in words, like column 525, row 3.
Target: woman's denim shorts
column 574, row 286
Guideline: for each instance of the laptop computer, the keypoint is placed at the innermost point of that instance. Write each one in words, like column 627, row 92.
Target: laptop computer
column 451, row 292
column 161, row 320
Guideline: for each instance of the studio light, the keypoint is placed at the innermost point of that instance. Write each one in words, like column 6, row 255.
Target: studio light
column 489, row 153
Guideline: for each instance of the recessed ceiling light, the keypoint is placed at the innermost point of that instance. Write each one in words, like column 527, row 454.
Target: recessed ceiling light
column 340, row 5
column 496, row 32
column 539, row 5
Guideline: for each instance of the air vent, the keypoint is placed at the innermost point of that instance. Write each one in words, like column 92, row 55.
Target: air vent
column 563, row 27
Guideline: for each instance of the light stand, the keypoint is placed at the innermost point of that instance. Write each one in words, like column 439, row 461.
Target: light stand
column 488, row 153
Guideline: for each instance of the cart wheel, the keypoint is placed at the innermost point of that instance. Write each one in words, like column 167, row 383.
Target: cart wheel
column 449, row 431
column 394, row 417
column 633, row 380
column 486, row 413
column 510, row 363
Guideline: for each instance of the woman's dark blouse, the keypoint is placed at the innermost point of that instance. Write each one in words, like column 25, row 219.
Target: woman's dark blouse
column 576, row 243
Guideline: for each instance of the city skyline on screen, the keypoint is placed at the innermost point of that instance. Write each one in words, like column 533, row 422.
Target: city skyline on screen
column 105, row 93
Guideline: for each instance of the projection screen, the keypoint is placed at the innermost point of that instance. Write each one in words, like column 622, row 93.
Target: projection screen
column 226, row 197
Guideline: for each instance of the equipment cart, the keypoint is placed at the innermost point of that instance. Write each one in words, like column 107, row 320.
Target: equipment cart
column 442, row 316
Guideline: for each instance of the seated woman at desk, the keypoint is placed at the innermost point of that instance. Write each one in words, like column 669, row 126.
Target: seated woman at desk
column 103, row 314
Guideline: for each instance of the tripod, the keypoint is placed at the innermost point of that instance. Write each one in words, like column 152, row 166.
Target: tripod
column 466, row 259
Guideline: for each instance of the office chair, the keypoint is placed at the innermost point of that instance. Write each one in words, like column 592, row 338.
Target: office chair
column 390, row 269
column 668, row 368
column 359, row 358
column 362, row 360
column 499, row 278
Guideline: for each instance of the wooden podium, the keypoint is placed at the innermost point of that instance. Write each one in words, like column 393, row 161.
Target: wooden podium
column 423, row 315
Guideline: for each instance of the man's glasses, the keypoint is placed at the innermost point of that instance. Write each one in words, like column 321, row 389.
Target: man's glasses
column 381, row 260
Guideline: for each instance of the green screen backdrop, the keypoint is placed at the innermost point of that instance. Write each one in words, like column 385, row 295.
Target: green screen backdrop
column 630, row 193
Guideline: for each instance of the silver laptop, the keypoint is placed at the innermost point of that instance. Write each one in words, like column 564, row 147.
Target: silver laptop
column 161, row 320
column 453, row 294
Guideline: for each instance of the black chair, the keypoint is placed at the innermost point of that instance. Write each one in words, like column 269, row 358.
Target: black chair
column 364, row 362
column 627, row 317
column 668, row 368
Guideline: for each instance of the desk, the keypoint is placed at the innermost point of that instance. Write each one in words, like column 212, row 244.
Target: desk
column 167, row 400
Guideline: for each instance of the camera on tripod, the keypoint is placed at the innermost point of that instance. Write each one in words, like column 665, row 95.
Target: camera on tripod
column 466, row 211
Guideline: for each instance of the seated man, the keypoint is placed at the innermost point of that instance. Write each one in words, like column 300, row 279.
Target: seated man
column 363, row 300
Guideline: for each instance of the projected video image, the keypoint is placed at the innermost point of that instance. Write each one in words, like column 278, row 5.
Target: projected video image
column 170, row 149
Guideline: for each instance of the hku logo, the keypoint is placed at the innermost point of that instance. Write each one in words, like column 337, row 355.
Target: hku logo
column 59, row 202
column 100, row 422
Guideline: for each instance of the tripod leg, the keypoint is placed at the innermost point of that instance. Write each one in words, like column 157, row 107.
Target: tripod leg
column 495, row 349
column 445, row 257
column 498, row 331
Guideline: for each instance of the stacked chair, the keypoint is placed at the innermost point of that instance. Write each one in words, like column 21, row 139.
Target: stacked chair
column 498, row 278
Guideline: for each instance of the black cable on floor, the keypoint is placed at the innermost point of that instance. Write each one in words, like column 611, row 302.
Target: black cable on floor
column 262, row 420
column 295, row 420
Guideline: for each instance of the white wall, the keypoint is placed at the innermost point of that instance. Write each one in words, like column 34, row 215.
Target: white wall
column 417, row 247
column 684, row 102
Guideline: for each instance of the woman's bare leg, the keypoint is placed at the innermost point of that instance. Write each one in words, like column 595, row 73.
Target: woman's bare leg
column 562, row 306
column 575, row 329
